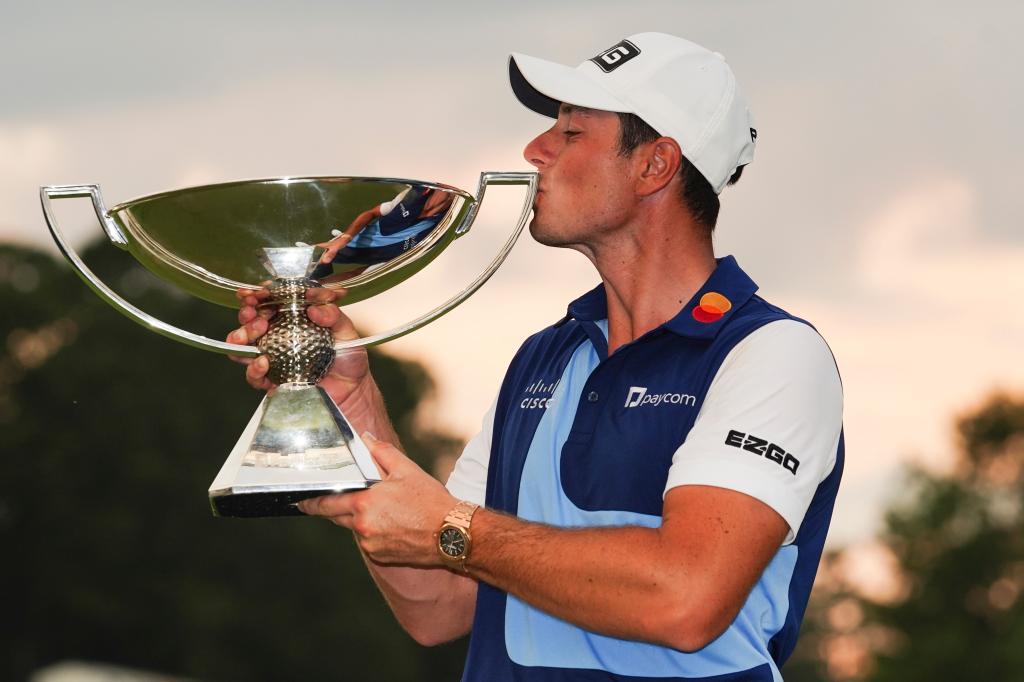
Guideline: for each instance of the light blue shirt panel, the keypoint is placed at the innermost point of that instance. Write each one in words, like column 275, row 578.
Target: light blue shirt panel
column 535, row 638
column 370, row 235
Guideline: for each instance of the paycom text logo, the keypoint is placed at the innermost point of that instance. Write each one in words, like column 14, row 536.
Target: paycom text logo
column 639, row 397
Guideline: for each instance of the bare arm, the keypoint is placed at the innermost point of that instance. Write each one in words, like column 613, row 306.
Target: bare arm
column 433, row 605
column 362, row 220
column 341, row 241
column 679, row 585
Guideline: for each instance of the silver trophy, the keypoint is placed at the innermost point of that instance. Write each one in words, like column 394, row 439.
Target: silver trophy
column 213, row 240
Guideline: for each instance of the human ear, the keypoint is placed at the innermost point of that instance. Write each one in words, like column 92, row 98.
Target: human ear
column 660, row 160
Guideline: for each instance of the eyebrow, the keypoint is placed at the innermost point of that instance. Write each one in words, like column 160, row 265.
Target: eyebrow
column 564, row 108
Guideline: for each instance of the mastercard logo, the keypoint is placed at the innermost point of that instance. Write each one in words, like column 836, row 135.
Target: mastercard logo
column 711, row 307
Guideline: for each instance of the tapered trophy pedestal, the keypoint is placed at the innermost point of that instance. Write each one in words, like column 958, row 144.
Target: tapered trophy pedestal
column 298, row 445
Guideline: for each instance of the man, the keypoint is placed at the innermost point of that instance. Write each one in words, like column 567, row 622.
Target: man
column 382, row 232
column 657, row 474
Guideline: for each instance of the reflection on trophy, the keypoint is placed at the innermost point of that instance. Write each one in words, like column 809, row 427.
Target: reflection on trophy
column 213, row 240
column 382, row 232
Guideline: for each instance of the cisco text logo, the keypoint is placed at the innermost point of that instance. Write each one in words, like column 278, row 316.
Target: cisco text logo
column 639, row 397
column 538, row 395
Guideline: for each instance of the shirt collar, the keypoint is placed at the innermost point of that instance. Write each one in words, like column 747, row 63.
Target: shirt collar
column 710, row 309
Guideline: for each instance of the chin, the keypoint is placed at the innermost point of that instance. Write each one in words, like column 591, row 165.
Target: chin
column 542, row 234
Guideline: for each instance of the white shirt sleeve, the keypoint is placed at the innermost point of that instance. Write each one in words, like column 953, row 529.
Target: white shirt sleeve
column 389, row 206
column 770, row 423
column 468, row 480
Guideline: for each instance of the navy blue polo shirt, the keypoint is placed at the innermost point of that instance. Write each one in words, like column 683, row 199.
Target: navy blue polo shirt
column 405, row 213
column 580, row 438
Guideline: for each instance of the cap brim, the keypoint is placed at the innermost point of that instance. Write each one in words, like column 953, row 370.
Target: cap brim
column 542, row 86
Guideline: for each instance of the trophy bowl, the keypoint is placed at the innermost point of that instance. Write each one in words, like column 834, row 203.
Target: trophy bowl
column 206, row 239
column 214, row 239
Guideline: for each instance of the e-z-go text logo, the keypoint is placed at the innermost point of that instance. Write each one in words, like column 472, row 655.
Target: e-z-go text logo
column 639, row 397
column 761, row 446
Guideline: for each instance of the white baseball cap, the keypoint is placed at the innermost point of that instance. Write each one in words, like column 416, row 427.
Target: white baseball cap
column 680, row 89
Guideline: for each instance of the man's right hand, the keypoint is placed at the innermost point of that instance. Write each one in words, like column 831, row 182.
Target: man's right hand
column 348, row 381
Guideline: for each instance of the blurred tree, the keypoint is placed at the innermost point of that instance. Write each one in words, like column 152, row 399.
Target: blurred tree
column 111, row 436
column 959, row 543
column 809, row 661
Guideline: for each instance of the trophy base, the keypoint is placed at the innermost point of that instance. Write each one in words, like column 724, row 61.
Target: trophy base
column 296, row 446
column 240, row 502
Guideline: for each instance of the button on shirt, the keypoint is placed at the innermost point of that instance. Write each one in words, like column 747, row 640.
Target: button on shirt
column 732, row 392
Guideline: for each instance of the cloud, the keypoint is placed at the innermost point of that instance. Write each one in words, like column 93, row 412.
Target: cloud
column 25, row 151
column 934, row 325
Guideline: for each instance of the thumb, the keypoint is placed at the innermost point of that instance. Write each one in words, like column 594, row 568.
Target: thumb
column 389, row 459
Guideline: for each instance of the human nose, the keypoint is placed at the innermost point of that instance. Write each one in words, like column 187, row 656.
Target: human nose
column 537, row 153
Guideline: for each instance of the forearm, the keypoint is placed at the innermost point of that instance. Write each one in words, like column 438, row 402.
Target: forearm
column 361, row 221
column 615, row 581
column 433, row 605
column 678, row 585
column 365, row 409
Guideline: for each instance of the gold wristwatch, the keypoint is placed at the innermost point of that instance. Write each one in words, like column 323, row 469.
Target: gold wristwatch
column 453, row 540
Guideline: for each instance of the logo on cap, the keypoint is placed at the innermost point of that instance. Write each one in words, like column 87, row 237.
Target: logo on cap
column 616, row 56
column 711, row 307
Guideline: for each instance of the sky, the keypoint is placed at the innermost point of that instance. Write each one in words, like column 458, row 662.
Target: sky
column 882, row 205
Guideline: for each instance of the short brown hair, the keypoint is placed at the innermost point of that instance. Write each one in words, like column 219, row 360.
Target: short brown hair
column 698, row 194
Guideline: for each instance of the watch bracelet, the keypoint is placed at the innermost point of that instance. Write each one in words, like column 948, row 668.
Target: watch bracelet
column 462, row 514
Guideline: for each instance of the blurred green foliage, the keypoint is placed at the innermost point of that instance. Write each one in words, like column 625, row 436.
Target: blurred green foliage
column 111, row 436
column 957, row 544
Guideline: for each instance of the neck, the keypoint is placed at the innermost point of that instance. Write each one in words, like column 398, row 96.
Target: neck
column 650, row 267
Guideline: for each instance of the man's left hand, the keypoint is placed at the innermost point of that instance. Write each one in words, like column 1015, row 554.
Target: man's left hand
column 395, row 520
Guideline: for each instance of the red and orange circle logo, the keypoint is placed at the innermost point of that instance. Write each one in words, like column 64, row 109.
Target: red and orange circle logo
column 711, row 307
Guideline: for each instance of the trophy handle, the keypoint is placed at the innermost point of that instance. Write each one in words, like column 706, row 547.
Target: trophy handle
column 489, row 178
column 106, row 293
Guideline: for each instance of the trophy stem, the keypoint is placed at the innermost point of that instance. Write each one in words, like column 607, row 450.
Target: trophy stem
column 299, row 351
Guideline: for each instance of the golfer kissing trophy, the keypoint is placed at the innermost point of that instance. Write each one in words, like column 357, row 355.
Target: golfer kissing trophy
column 213, row 240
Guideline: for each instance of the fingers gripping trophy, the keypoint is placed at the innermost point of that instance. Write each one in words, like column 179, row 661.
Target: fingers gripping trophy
column 282, row 244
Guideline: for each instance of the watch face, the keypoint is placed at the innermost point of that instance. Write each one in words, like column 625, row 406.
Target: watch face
column 453, row 542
